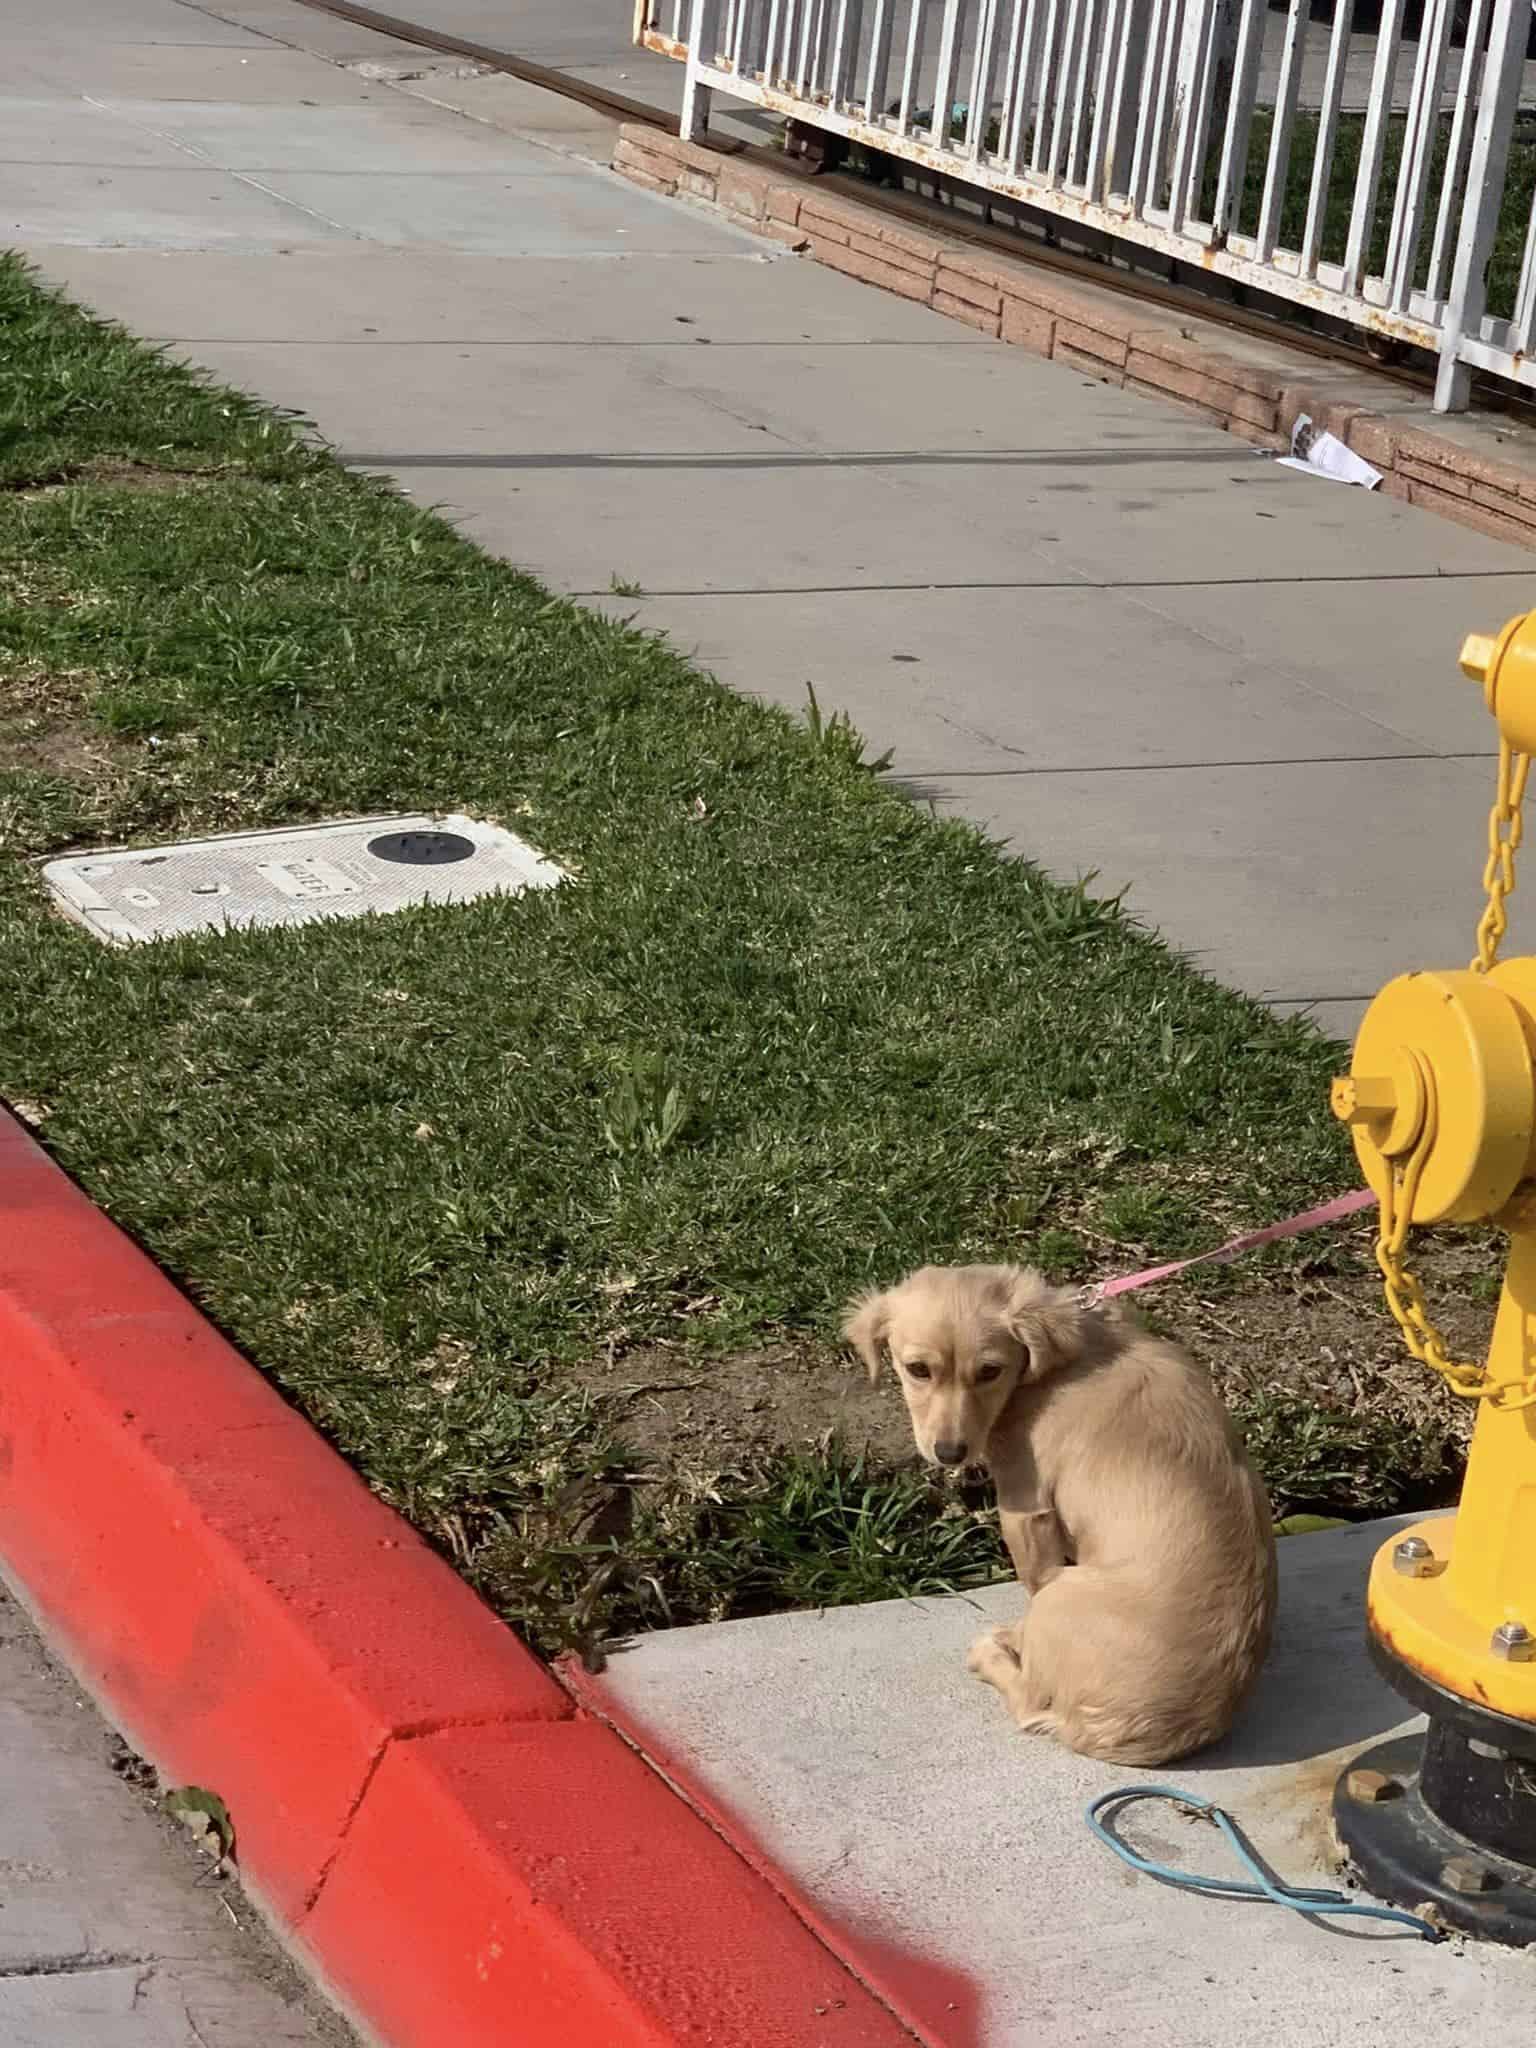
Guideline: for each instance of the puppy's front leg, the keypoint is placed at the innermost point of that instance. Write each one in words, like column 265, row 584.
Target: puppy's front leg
column 1036, row 1542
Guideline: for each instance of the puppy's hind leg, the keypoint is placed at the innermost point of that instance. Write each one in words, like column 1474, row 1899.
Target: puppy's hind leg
column 1001, row 1659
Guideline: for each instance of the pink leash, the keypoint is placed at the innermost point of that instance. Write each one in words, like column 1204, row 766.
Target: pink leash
column 1309, row 1219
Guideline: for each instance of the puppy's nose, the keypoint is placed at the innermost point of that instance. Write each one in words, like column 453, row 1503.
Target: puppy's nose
column 950, row 1450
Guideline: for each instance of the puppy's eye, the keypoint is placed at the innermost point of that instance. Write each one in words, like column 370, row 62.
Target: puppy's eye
column 917, row 1370
column 988, row 1372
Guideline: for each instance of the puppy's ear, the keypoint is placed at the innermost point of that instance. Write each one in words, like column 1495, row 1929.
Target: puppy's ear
column 1047, row 1321
column 866, row 1325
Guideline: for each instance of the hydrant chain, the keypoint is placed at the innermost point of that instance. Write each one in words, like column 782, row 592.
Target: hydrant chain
column 1405, row 1297
column 1506, row 828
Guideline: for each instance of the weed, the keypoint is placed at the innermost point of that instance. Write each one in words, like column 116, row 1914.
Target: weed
column 839, row 736
column 648, row 1111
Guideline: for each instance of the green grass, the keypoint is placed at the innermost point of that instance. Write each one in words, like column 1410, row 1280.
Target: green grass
column 780, row 1033
column 1376, row 1462
column 1514, row 207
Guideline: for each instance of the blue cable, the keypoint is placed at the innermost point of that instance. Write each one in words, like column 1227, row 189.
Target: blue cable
column 1300, row 1898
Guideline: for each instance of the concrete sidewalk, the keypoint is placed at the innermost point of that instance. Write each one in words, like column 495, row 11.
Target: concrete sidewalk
column 891, row 1787
column 1109, row 634
column 111, row 1933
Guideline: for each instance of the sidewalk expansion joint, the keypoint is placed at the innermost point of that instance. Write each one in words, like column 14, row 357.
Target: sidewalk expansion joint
column 1167, row 767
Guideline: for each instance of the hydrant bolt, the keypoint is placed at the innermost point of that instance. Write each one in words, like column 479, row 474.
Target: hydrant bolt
column 1413, row 1558
column 1466, row 1874
column 1513, row 1641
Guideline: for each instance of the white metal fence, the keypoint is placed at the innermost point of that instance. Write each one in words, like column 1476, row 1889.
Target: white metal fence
column 1384, row 177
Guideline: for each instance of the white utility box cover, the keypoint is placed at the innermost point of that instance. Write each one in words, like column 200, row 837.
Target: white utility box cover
column 295, row 875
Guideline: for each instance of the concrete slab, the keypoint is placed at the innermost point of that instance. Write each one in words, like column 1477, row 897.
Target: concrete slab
column 249, row 72
column 757, row 521
column 371, row 292
column 974, row 680
column 1007, row 403
column 576, row 212
column 329, row 136
column 326, row 35
column 194, row 208
column 857, row 1753
column 596, row 35
column 706, row 302
column 1270, row 876
column 586, row 39
column 506, row 103
column 1231, row 519
column 518, row 407
column 354, row 292
column 46, row 131
column 557, row 33
column 1387, row 651
column 151, row 22
column 111, row 1935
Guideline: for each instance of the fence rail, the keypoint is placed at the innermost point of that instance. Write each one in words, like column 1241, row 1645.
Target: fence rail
column 1384, row 176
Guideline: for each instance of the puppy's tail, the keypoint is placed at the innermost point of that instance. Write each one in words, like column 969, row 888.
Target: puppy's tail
column 1113, row 1737
column 1108, row 1740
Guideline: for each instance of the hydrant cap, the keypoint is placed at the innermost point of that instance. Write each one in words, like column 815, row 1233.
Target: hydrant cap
column 1477, row 652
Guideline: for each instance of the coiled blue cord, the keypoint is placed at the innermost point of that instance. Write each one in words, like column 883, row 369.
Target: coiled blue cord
column 1300, row 1898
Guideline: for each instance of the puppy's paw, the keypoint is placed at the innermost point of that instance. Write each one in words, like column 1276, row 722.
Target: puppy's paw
column 993, row 1657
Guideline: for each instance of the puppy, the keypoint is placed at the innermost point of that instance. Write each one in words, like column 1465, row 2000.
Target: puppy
column 1133, row 1517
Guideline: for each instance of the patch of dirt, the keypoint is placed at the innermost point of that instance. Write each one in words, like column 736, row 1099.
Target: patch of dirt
column 1327, row 1337
column 703, row 1413
column 36, row 584
column 127, row 1764
column 44, row 725
column 138, row 476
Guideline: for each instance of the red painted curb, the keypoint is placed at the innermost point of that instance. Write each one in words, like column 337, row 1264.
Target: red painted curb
column 417, row 1802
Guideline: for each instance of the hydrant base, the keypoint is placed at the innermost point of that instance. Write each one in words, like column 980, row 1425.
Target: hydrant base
column 1404, row 1853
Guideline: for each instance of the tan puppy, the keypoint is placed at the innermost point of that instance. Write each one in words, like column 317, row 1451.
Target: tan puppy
column 1132, row 1515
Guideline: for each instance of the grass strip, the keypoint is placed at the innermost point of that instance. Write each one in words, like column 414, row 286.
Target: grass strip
column 444, row 1174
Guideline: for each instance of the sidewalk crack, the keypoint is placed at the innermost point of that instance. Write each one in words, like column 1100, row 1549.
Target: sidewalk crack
column 83, row 1963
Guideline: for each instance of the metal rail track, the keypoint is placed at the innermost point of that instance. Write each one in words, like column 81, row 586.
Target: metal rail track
column 916, row 212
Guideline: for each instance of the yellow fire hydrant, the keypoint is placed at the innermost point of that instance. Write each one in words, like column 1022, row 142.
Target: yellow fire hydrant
column 1441, row 1101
